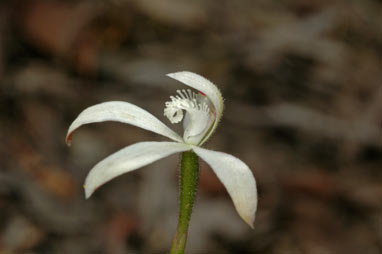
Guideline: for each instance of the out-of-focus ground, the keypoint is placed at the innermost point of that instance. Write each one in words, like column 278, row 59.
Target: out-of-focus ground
column 303, row 87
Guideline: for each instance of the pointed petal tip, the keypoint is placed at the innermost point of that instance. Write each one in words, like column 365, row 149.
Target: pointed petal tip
column 174, row 74
column 250, row 222
column 68, row 139
column 247, row 214
column 248, row 218
column 88, row 192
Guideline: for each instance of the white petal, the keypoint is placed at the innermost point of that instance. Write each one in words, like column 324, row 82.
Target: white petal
column 122, row 112
column 128, row 159
column 205, row 86
column 237, row 178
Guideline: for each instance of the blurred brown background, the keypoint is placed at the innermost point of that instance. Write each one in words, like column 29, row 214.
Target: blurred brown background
column 303, row 87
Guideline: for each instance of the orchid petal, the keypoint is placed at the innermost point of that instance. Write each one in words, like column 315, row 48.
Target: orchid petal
column 237, row 179
column 121, row 112
column 129, row 159
column 206, row 87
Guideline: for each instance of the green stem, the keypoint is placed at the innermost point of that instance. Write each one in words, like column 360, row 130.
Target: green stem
column 188, row 185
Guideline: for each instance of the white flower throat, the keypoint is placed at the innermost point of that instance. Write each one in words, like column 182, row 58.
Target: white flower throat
column 198, row 118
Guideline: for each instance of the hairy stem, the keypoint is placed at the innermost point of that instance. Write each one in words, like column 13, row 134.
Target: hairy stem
column 188, row 185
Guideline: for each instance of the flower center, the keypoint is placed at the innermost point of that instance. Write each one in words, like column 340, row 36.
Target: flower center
column 198, row 117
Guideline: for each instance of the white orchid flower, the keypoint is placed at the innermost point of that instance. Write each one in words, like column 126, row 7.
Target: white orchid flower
column 201, row 113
